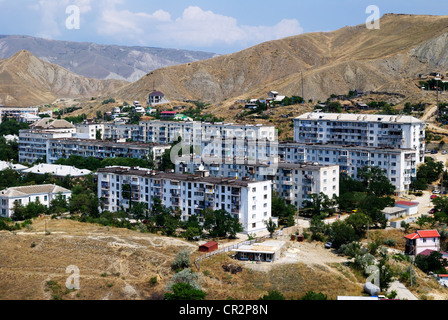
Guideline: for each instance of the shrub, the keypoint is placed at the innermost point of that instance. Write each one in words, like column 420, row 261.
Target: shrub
column 184, row 291
column 390, row 242
column 273, row 295
column 311, row 295
column 181, row 261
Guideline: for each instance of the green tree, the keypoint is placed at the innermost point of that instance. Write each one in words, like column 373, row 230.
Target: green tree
column 283, row 211
column 434, row 263
column 319, row 205
column 342, row 233
column 58, row 204
column 271, row 227
column 273, row 295
column 376, row 181
column 220, row 223
column 184, row 291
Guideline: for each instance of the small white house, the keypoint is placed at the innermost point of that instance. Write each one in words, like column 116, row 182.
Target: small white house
column 422, row 240
column 411, row 207
column 44, row 194
column 394, row 212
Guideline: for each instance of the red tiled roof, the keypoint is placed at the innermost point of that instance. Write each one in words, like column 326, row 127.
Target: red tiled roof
column 428, row 233
column 169, row 112
column 407, row 203
column 443, row 275
column 423, row 234
column 412, row 236
column 426, row 252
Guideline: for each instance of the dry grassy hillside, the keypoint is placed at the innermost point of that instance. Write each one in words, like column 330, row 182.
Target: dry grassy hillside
column 331, row 62
column 121, row 264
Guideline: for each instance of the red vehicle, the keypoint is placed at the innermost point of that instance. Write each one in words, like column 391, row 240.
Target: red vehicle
column 434, row 196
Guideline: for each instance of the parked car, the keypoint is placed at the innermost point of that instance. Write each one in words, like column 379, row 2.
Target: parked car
column 433, row 151
column 434, row 196
column 328, row 245
column 444, row 152
column 436, row 192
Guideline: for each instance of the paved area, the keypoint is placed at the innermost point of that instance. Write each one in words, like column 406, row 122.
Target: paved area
column 402, row 291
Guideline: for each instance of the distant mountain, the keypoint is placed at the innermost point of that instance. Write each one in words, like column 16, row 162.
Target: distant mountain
column 99, row 61
column 388, row 59
column 26, row 80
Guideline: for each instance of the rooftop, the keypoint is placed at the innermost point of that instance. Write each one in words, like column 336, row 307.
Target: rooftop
column 423, row 234
column 270, row 246
column 143, row 172
column 50, row 123
column 30, row 190
column 8, row 165
column 57, row 170
column 407, row 203
column 358, row 117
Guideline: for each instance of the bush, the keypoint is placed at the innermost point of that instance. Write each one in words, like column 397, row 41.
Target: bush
column 273, row 295
column 390, row 242
column 311, row 295
column 184, row 276
column 181, row 261
column 184, row 291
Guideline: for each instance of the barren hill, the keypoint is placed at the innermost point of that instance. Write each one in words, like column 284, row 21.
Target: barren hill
column 332, row 62
column 26, row 80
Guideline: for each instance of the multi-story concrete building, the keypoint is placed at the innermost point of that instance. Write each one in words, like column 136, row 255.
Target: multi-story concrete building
column 34, row 145
column 249, row 201
column 17, row 112
column 294, row 182
column 65, row 147
column 399, row 165
column 195, row 132
column 369, row 130
column 44, row 194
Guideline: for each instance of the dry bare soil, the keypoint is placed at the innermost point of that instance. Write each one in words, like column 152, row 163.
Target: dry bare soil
column 118, row 264
column 121, row 264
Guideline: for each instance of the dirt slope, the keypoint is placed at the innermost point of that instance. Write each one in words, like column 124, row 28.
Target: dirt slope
column 26, row 80
column 332, row 62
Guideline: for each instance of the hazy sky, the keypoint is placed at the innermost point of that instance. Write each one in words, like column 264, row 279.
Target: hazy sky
column 222, row 26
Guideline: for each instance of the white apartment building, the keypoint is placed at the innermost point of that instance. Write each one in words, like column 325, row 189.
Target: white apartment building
column 195, row 132
column 23, row 195
column 400, row 165
column 249, row 201
column 89, row 130
column 66, row 147
column 34, row 142
column 370, row 130
column 34, row 145
column 17, row 112
column 294, row 182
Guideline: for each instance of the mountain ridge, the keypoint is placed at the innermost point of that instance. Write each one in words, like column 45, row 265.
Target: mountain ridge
column 349, row 58
column 99, row 61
